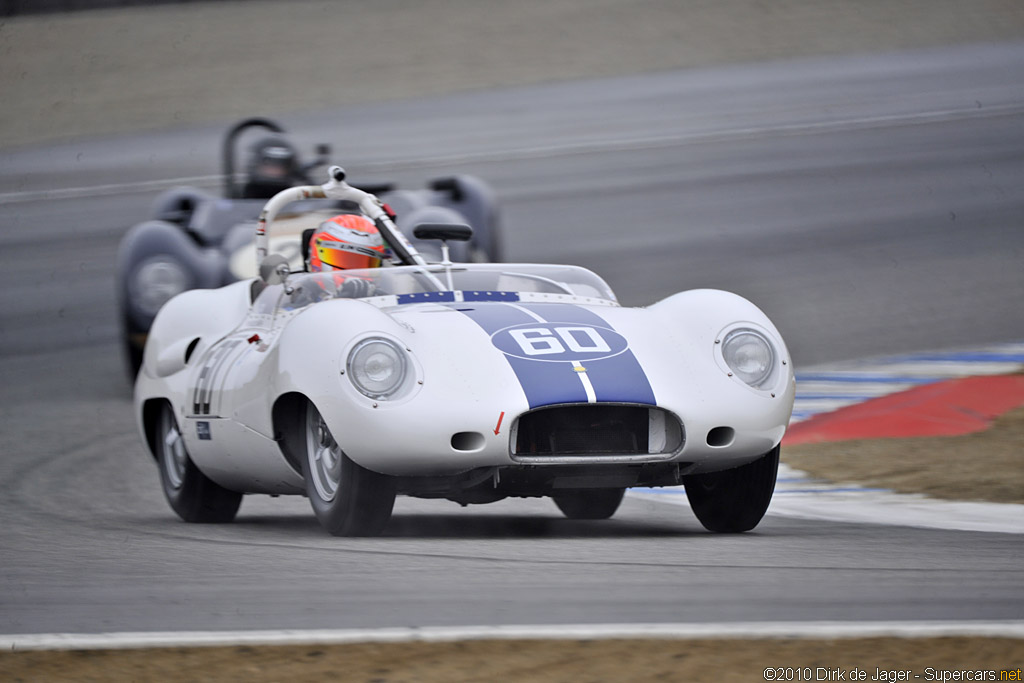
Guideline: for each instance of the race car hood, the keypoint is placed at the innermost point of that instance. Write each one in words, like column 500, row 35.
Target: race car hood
column 555, row 353
column 559, row 353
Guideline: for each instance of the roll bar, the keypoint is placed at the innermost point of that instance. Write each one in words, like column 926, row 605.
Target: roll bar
column 337, row 188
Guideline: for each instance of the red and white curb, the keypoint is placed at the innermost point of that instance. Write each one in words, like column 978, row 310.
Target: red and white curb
column 826, row 388
column 439, row 634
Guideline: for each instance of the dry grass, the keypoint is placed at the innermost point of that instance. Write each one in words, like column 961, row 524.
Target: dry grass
column 514, row 660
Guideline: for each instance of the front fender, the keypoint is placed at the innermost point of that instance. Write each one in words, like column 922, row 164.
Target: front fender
column 458, row 384
column 689, row 373
column 313, row 346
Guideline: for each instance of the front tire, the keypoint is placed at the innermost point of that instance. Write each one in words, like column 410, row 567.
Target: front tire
column 734, row 501
column 190, row 493
column 133, row 342
column 348, row 500
column 589, row 503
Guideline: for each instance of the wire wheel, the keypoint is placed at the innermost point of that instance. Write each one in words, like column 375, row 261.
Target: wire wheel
column 175, row 459
column 189, row 492
column 347, row 499
column 324, row 456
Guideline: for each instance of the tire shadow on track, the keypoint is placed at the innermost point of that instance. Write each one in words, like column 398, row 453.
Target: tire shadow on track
column 515, row 526
column 453, row 526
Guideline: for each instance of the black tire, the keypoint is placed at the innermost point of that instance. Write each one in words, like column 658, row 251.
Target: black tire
column 734, row 501
column 589, row 503
column 347, row 499
column 133, row 352
column 193, row 496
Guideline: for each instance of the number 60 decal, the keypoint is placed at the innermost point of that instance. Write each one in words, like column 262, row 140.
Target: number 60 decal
column 559, row 342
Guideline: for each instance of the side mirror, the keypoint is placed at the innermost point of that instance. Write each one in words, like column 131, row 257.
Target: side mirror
column 274, row 269
column 443, row 231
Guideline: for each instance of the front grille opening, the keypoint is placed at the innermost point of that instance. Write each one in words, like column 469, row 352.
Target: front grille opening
column 597, row 430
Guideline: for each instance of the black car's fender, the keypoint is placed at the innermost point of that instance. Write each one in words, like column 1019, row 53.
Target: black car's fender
column 156, row 261
column 178, row 204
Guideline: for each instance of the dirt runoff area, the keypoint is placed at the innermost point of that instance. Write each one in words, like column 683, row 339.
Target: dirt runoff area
column 542, row 661
column 146, row 68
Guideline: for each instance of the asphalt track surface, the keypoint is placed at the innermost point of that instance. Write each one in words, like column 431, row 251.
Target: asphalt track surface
column 869, row 204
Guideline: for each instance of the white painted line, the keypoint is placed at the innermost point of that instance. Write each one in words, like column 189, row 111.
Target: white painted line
column 865, row 389
column 672, row 139
column 436, row 634
column 816, row 406
column 799, row 497
column 950, row 368
column 553, row 150
column 108, row 190
column 867, row 506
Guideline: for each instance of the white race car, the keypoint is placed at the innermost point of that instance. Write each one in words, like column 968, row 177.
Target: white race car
column 471, row 382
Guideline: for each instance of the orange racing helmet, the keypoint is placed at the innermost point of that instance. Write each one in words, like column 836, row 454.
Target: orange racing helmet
column 344, row 242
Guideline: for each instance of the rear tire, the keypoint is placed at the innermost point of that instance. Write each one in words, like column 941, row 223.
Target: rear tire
column 190, row 493
column 734, row 501
column 589, row 503
column 348, row 500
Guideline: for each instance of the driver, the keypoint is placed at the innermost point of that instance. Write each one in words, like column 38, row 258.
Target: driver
column 346, row 242
column 273, row 166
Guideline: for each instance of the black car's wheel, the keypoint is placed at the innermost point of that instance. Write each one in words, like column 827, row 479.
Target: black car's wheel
column 190, row 493
column 347, row 499
column 134, row 344
column 734, row 500
column 589, row 503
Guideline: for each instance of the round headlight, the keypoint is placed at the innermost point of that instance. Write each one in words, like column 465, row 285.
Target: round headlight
column 749, row 355
column 155, row 282
column 377, row 367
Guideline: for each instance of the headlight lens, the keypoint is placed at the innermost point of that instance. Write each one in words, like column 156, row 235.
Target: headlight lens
column 377, row 367
column 155, row 282
column 749, row 355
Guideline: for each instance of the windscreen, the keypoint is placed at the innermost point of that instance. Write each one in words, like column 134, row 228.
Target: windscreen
column 406, row 282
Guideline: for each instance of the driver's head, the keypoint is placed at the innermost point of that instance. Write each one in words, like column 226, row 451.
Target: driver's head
column 345, row 242
column 273, row 166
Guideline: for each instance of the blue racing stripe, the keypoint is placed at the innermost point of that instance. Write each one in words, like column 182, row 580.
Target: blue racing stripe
column 551, row 381
column 490, row 296
column 541, row 382
column 426, row 297
column 616, row 379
